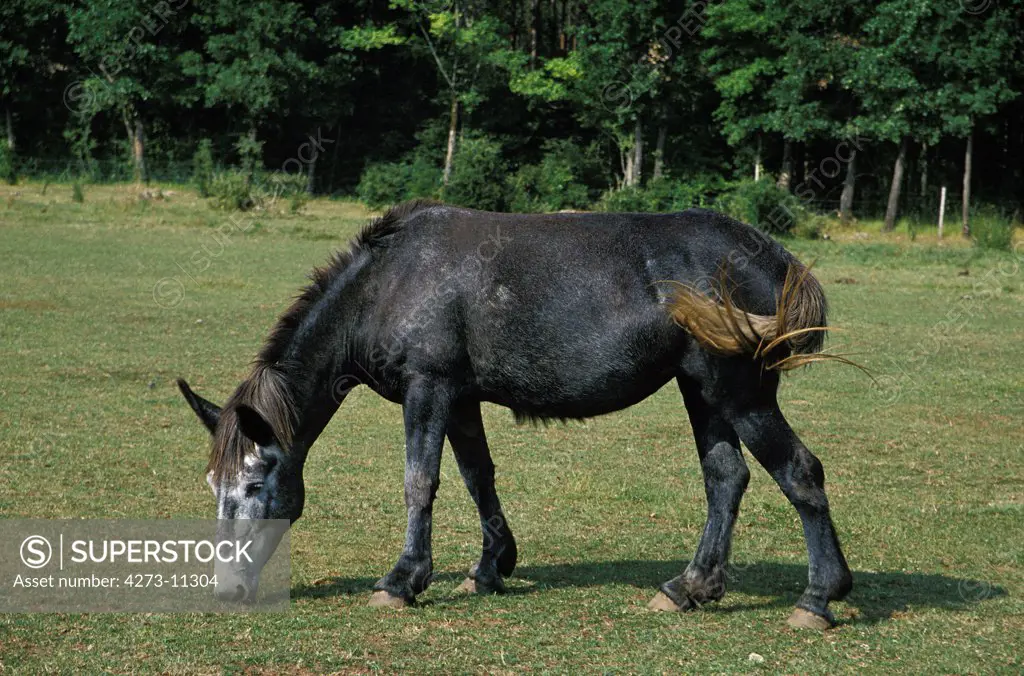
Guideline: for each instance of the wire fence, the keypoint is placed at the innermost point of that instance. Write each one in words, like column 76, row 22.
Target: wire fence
column 101, row 171
column 921, row 209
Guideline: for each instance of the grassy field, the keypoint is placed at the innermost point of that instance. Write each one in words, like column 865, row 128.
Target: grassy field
column 104, row 303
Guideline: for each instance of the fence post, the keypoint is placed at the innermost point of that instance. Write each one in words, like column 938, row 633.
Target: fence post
column 942, row 210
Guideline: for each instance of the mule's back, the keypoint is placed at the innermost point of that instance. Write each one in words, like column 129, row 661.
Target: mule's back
column 562, row 315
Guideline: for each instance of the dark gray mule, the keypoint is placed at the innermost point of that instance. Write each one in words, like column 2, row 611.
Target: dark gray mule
column 553, row 316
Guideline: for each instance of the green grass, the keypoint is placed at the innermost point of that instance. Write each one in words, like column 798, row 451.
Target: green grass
column 925, row 471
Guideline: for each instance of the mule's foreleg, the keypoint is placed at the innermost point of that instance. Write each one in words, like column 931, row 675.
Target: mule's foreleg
column 469, row 442
column 801, row 477
column 725, row 479
column 426, row 411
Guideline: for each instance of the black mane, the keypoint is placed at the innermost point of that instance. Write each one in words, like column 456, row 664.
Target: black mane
column 372, row 235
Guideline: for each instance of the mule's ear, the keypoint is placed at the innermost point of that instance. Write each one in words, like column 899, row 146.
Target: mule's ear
column 254, row 426
column 207, row 411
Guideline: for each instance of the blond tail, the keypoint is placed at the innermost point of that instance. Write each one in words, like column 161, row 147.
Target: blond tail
column 790, row 338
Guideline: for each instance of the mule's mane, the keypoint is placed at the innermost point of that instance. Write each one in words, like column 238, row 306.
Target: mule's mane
column 267, row 389
column 321, row 279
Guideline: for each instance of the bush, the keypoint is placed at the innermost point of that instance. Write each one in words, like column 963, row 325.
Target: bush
column 478, row 175
column 202, row 167
column 383, row 184
column 290, row 186
column 991, row 228
column 660, row 195
column 423, row 177
column 763, row 205
column 551, row 185
column 8, row 162
column 250, row 155
column 812, row 226
column 555, row 183
column 232, row 189
column 76, row 193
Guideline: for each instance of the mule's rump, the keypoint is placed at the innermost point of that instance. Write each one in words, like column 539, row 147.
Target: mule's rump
column 798, row 325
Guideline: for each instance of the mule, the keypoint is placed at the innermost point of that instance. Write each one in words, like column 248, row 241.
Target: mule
column 554, row 316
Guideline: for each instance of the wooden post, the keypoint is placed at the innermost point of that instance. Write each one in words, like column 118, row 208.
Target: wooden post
column 942, row 210
column 757, row 159
column 966, row 215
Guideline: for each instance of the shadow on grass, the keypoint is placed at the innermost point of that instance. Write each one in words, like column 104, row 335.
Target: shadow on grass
column 876, row 595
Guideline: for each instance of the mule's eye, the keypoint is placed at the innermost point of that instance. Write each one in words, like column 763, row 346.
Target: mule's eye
column 253, row 489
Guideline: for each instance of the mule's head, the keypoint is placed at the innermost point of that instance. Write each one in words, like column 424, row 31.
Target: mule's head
column 252, row 478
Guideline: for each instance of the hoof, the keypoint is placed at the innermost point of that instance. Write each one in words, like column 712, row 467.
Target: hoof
column 468, row 586
column 661, row 602
column 382, row 599
column 805, row 619
column 471, row 586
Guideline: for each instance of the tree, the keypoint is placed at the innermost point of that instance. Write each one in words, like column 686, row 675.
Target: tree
column 891, row 85
column 252, row 62
column 927, row 71
column 743, row 60
column 32, row 45
column 973, row 78
column 129, row 51
column 463, row 41
column 620, row 68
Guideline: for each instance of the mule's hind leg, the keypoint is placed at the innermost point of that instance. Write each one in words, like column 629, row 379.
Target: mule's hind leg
column 466, row 434
column 725, row 479
column 771, row 440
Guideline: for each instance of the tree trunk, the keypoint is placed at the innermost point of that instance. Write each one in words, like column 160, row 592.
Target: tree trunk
column 846, row 199
column 785, row 176
column 514, row 38
column 562, row 30
column 139, row 152
column 757, row 159
column 638, row 152
column 10, row 129
column 311, row 176
column 894, row 189
column 966, row 214
column 453, row 128
column 659, row 153
column 534, row 32
column 924, row 170
column 1015, row 148
column 626, row 159
column 798, row 164
column 137, row 142
column 553, row 28
column 334, row 164
column 249, row 161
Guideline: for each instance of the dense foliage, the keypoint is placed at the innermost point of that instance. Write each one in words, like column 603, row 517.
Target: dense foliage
column 528, row 105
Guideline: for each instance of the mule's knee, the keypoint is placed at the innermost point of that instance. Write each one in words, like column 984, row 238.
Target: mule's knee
column 806, row 480
column 723, row 466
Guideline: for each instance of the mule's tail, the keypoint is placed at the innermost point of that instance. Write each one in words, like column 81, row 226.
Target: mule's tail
column 790, row 338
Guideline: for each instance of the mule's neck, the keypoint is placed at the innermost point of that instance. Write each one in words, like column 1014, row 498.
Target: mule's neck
column 318, row 356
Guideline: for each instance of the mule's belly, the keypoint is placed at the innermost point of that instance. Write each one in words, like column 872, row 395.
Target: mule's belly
column 589, row 369
column 545, row 403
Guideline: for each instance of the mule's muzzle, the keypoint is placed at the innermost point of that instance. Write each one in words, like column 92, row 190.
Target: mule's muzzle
column 235, row 595
column 235, row 590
